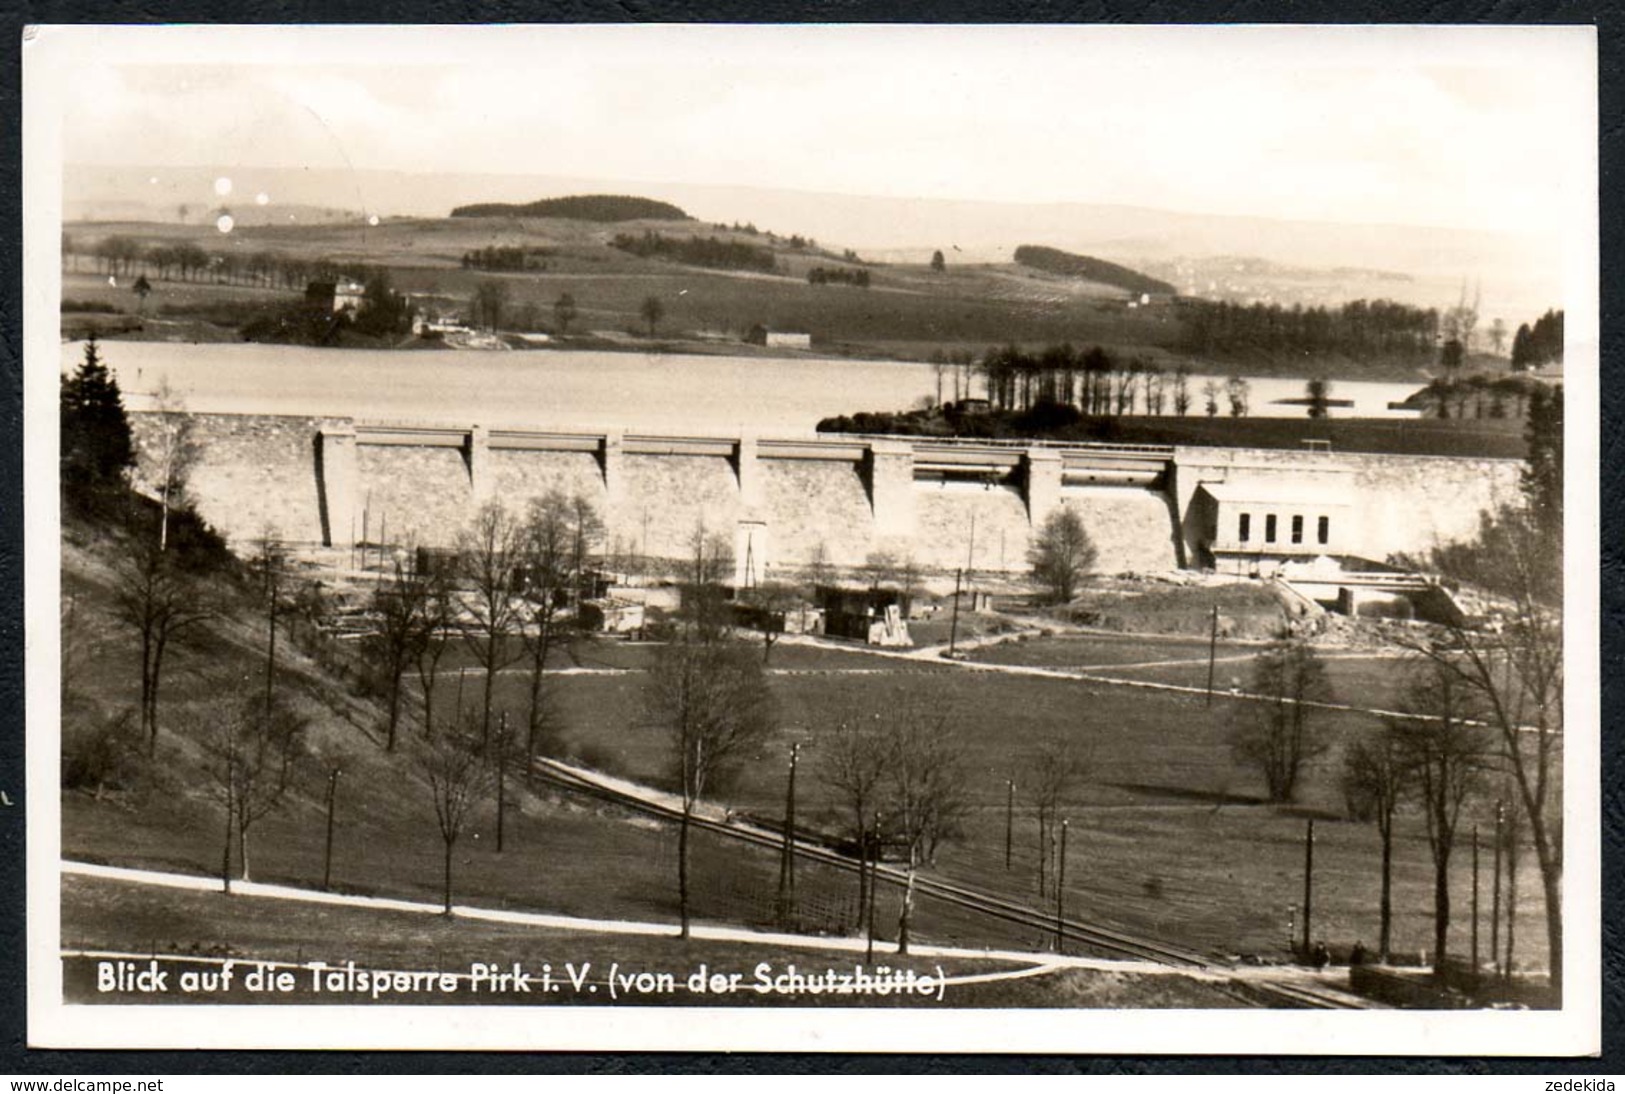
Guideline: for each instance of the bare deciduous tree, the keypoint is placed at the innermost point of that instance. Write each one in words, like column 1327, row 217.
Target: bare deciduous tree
column 1182, row 390
column 1446, row 752
column 706, row 615
column 1061, row 554
column 161, row 605
column 488, row 556
column 769, row 603
column 398, row 608
column 819, row 570
column 251, row 753
column 711, row 700
column 439, row 615
column 924, row 788
column 175, row 452
column 1278, row 734
column 490, row 298
column 455, row 770
column 1375, row 779
column 1057, row 766
column 854, row 768
column 1514, row 669
column 1236, row 390
column 586, row 535
column 270, row 566
column 549, row 546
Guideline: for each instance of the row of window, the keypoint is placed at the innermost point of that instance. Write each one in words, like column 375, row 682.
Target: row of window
column 1323, row 529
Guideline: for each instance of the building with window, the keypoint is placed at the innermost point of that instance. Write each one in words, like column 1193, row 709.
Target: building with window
column 1254, row 527
column 336, row 296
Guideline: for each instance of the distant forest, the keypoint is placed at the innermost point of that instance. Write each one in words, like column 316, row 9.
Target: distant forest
column 1362, row 330
column 507, row 258
column 1053, row 261
column 604, row 208
column 707, row 251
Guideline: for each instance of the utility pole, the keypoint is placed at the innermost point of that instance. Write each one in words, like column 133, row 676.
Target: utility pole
column 327, row 859
column 271, row 588
column 1009, row 818
column 1495, row 890
column 970, row 563
column 1212, row 652
column 1308, row 883
column 1512, row 892
column 1060, row 895
column 874, row 879
column 502, row 771
column 953, row 629
column 787, row 861
column 1475, row 905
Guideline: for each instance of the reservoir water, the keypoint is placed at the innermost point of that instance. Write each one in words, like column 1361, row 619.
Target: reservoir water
column 566, row 389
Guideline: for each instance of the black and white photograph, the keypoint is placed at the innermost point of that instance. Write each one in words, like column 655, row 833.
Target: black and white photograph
column 1039, row 539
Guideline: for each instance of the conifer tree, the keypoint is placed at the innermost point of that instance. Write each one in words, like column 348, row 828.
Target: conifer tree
column 97, row 448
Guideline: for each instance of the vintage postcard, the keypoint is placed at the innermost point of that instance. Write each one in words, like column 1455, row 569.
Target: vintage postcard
column 904, row 538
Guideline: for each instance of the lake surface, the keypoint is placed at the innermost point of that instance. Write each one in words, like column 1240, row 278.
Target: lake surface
column 579, row 390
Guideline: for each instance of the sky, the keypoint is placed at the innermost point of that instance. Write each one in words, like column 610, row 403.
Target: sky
column 1453, row 127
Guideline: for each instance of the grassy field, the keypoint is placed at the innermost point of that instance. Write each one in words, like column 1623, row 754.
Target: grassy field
column 1103, row 650
column 1367, row 680
column 103, row 915
column 1376, row 682
column 194, row 311
column 1169, row 835
column 910, row 311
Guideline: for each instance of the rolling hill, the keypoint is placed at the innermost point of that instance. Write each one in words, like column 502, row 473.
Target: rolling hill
column 600, row 208
column 1054, row 261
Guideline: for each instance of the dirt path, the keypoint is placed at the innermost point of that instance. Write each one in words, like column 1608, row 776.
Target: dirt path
column 1029, row 963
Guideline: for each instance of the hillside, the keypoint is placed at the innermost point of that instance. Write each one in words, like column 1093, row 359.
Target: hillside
column 715, row 284
column 357, row 818
column 162, row 810
column 1521, row 275
column 600, row 208
column 1051, row 260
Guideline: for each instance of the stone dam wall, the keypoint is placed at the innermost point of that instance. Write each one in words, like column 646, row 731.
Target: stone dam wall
column 785, row 502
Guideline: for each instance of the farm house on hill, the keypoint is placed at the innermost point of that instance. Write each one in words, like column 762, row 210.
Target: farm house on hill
column 335, row 296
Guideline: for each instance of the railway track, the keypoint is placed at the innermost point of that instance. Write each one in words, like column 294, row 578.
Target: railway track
column 1009, row 911
column 1300, row 997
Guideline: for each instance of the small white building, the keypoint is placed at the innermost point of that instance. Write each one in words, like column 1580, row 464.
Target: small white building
column 785, row 339
column 1255, row 527
column 612, row 615
column 348, row 295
